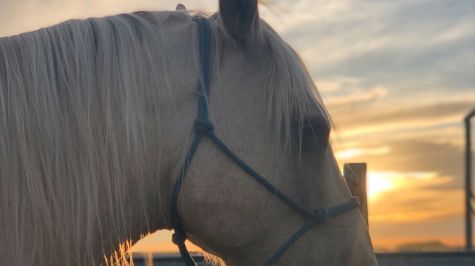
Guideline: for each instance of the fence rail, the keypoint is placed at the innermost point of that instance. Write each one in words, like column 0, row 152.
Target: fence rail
column 384, row 259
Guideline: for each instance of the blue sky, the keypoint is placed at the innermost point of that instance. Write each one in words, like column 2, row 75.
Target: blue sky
column 396, row 76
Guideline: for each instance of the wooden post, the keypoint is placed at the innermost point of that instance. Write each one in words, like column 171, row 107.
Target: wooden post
column 468, row 182
column 355, row 176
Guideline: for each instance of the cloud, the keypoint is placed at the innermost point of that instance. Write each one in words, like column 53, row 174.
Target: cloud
column 414, row 155
column 356, row 98
column 410, row 46
column 357, row 152
column 411, row 69
column 356, row 118
column 406, row 157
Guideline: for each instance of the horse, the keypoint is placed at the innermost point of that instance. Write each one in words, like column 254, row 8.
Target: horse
column 97, row 117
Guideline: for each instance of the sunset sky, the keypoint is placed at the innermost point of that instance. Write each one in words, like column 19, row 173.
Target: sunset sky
column 397, row 77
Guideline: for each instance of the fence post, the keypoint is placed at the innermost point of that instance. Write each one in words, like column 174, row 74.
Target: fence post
column 355, row 176
column 468, row 182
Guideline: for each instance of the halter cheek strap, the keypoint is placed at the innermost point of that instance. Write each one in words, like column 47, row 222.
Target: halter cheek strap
column 204, row 128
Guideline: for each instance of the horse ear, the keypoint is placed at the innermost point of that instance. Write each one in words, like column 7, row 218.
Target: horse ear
column 240, row 18
column 180, row 7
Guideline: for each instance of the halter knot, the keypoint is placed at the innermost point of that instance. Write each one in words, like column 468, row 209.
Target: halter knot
column 203, row 126
column 321, row 215
column 178, row 238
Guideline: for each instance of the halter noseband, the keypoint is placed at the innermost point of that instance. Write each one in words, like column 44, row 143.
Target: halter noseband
column 204, row 128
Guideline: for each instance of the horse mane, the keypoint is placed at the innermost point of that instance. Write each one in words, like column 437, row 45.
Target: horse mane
column 72, row 118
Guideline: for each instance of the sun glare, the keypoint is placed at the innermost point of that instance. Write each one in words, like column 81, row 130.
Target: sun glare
column 378, row 183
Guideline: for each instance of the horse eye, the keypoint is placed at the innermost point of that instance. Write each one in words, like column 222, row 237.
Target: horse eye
column 315, row 134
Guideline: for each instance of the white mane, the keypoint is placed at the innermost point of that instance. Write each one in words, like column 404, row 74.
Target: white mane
column 76, row 132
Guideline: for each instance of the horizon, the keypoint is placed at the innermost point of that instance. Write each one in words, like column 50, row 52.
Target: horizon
column 397, row 78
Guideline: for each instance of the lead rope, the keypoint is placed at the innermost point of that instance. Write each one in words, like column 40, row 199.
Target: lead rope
column 203, row 126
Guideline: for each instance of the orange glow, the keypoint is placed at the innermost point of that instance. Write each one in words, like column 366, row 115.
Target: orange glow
column 160, row 242
column 378, row 183
column 391, row 244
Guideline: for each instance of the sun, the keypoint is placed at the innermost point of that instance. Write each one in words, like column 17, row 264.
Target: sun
column 378, row 183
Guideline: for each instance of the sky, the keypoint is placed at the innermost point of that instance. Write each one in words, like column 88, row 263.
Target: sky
column 397, row 77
